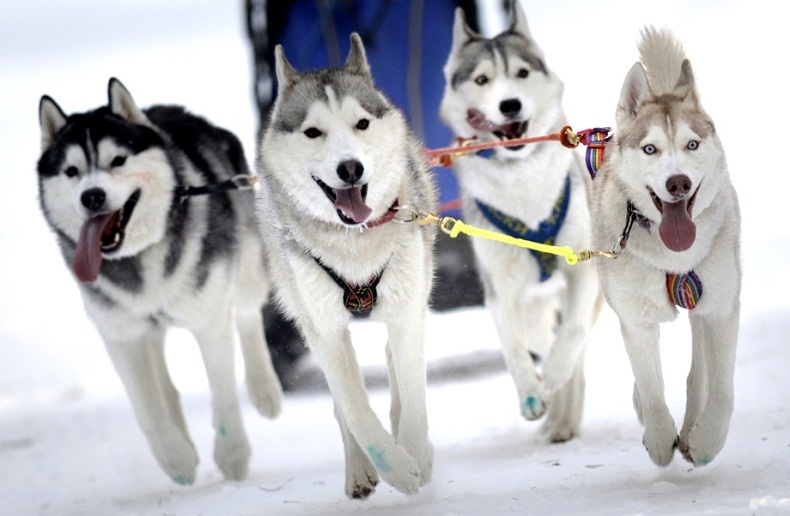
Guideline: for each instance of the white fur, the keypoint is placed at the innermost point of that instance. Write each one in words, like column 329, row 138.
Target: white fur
column 297, row 221
column 634, row 284
column 230, row 300
column 526, row 184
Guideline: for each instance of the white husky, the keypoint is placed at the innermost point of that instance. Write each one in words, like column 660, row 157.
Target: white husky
column 500, row 89
column 666, row 175
column 335, row 162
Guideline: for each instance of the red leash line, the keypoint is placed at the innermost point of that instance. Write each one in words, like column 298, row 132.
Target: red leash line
column 444, row 155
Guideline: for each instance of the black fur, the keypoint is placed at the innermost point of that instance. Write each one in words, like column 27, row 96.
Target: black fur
column 188, row 140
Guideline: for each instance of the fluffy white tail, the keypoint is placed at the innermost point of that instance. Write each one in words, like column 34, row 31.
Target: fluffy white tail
column 662, row 55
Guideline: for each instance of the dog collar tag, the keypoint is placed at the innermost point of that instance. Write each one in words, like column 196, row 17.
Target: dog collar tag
column 685, row 290
column 361, row 299
column 357, row 299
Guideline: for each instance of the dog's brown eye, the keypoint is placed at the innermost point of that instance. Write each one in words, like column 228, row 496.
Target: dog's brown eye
column 312, row 132
column 481, row 79
column 363, row 124
column 118, row 161
column 523, row 73
column 71, row 172
column 692, row 145
column 649, row 149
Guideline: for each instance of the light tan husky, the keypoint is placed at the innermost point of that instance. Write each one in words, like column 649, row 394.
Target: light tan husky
column 666, row 176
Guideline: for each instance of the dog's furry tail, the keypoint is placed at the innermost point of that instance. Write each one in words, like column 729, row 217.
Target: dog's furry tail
column 662, row 55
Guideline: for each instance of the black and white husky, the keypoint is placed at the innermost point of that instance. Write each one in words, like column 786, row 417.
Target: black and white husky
column 336, row 162
column 666, row 175
column 118, row 186
column 501, row 89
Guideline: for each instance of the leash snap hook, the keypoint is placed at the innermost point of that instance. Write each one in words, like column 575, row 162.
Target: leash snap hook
column 409, row 211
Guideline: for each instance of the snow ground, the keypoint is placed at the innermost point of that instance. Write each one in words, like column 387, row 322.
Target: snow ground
column 68, row 440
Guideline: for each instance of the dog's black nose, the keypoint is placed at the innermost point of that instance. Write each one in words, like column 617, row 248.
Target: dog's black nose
column 350, row 171
column 510, row 107
column 679, row 185
column 93, row 199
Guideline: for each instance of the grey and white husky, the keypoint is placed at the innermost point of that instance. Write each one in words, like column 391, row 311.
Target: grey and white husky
column 501, row 89
column 118, row 187
column 665, row 179
column 336, row 161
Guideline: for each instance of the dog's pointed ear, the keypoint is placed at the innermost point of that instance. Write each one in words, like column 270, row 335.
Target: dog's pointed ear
column 286, row 75
column 461, row 31
column 685, row 84
column 518, row 19
column 51, row 119
column 357, row 61
column 635, row 90
column 122, row 104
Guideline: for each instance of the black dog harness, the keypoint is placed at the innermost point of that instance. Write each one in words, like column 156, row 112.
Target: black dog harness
column 240, row 182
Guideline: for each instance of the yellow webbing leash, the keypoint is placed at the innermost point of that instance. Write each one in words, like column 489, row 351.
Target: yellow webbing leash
column 454, row 227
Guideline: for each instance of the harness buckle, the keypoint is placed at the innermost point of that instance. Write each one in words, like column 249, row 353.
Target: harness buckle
column 244, row 181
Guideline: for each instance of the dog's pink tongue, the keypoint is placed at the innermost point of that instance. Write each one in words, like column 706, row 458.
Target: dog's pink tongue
column 87, row 259
column 677, row 230
column 350, row 202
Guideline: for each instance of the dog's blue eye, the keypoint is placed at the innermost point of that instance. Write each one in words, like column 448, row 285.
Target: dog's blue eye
column 692, row 145
column 72, row 172
column 523, row 73
column 312, row 132
column 363, row 124
column 118, row 161
column 481, row 79
column 649, row 149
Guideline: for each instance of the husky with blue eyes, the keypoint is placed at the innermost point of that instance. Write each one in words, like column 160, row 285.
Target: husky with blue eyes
column 146, row 209
column 664, row 200
column 500, row 89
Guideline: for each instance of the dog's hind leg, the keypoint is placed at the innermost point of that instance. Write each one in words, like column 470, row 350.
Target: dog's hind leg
column 263, row 384
column 564, row 417
column 579, row 304
column 563, row 372
column 141, row 365
column 251, row 292
column 706, row 436
column 642, row 344
column 217, row 345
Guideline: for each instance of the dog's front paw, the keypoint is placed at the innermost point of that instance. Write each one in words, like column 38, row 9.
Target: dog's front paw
column 425, row 462
column 661, row 443
column 361, row 482
column 178, row 458
column 534, row 404
column 701, row 445
column 560, row 431
column 232, row 453
column 421, row 449
column 556, row 373
column 267, row 396
column 396, row 467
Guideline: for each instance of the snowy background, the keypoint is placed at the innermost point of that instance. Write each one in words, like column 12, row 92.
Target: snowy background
column 69, row 443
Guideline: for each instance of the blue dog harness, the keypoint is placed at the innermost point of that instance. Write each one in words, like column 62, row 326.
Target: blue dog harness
column 546, row 233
